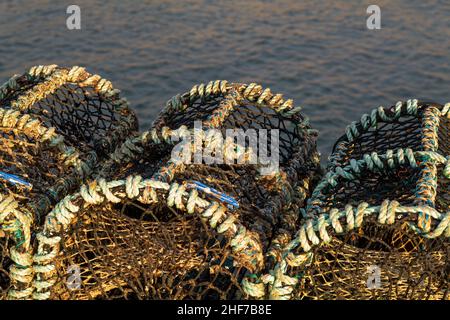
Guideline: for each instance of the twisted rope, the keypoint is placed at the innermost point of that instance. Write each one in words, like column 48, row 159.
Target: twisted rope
column 427, row 184
column 18, row 223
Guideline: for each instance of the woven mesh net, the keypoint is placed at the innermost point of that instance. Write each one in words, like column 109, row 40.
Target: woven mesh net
column 56, row 124
column 383, row 206
column 145, row 231
column 84, row 108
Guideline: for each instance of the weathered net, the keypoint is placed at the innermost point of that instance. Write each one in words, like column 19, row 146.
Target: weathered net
column 56, row 125
column 145, row 230
column 377, row 225
column 85, row 109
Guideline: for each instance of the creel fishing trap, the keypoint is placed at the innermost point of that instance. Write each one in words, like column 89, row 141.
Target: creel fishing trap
column 56, row 125
column 377, row 225
column 152, row 227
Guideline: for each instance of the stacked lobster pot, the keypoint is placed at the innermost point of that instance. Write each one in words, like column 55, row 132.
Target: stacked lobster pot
column 166, row 219
column 223, row 198
column 56, row 125
column 377, row 225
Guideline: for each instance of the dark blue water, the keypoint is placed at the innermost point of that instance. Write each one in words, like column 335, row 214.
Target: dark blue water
column 319, row 53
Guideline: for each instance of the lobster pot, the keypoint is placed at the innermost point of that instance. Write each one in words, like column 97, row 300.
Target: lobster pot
column 85, row 109
column 152, row 227
column 46, row 151
column 36, row 168
column 377, row 225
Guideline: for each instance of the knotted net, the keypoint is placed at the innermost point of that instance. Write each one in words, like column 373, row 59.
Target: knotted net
column 56, row 125
column 152, row 227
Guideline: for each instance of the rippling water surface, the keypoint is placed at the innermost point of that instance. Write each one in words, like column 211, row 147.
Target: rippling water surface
column 319, row 53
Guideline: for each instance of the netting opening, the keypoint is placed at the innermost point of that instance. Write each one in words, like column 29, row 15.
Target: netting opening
column 397, row 127
column 199, row 110
column 254, row 117
column 373, row 188
column 387, row 136
column 78, row 113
